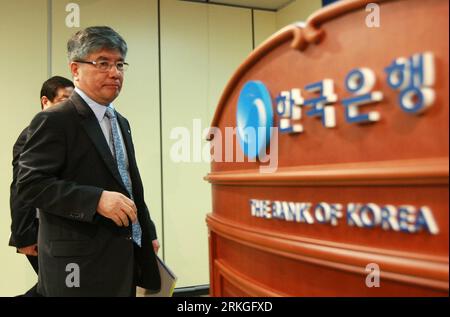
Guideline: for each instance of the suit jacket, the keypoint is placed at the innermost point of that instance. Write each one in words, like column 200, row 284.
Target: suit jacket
column 65, row 166
column 24, row 225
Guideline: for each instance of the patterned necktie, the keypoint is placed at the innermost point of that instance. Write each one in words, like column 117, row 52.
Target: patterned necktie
column 121, row 165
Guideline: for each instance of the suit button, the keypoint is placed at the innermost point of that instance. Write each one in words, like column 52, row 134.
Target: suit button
column 129, row 237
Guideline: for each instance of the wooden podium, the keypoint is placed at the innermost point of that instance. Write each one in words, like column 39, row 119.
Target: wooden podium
column 348, row 195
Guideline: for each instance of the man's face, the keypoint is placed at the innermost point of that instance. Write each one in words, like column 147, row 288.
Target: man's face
column 61, row 95
column 101, row 86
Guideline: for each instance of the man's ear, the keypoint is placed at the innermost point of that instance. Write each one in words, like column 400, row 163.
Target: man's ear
column 44, row 102
column 74, row 69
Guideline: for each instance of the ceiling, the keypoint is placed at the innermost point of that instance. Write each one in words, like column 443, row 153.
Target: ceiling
column 272, row 5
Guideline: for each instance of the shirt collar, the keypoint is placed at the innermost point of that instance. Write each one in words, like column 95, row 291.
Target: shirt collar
column 98, row 109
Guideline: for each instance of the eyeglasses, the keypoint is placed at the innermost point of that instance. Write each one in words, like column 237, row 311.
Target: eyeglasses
column 105, row 66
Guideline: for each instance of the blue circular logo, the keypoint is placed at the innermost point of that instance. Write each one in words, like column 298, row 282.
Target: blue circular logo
column 254, row 118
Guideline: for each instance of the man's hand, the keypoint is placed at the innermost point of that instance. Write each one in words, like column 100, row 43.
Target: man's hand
column 29, row 250
column 117, row 207
column 155, row 246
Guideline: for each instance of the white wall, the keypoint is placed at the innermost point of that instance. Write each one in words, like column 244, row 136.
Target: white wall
column 23, row 64
column 265, row 25
column 298, row 10
column 202, row 45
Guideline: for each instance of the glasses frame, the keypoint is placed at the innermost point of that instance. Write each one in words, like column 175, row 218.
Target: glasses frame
column 96, row 64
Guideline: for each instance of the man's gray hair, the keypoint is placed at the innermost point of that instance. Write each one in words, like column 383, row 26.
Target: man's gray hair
column 94, row 39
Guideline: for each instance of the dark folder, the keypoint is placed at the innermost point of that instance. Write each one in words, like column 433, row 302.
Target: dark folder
column 168, row 282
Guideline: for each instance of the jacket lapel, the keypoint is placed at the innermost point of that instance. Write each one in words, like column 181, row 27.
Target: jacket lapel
column 95, row 133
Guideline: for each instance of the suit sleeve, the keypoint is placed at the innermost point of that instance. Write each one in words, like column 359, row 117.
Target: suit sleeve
column 152, row 228
column 23, row 217
column 41, row 165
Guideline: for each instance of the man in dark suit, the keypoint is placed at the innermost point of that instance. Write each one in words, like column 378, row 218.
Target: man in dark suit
column 24, row 224
column 79, row 168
